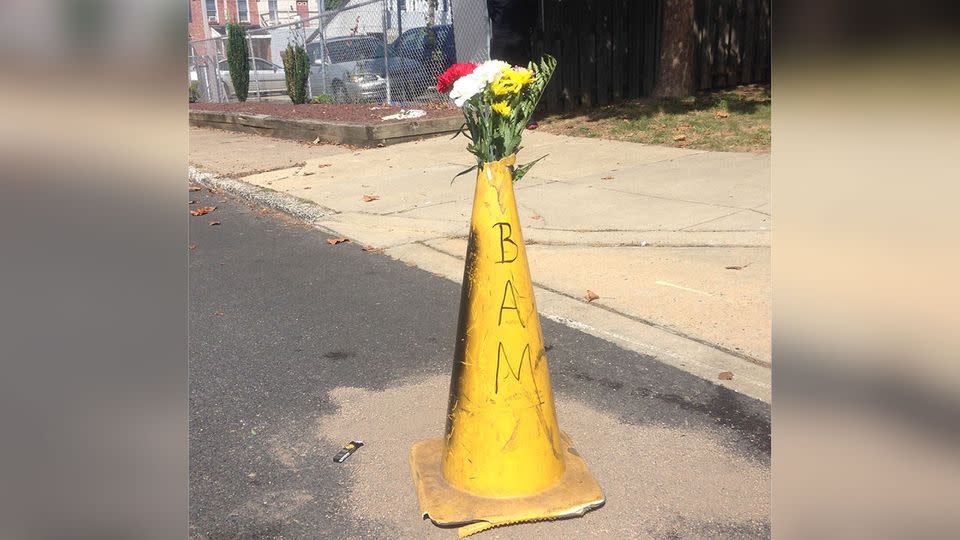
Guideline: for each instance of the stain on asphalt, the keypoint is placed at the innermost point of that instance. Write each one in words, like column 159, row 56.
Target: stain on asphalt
column 339, row 355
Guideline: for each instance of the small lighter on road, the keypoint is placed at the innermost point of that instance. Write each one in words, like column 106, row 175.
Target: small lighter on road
column 347, row 449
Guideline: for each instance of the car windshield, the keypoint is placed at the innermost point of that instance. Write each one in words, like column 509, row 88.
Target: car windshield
column 351, row 50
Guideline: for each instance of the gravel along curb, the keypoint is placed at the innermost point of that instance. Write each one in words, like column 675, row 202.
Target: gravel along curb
column 305, row 210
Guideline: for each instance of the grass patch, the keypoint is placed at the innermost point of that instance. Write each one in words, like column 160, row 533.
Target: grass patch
column 734, row 120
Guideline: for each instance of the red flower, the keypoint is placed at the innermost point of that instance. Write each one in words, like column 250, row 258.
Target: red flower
column 446, row 79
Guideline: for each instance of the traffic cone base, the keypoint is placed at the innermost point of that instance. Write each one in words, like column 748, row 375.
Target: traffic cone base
column 576, row 493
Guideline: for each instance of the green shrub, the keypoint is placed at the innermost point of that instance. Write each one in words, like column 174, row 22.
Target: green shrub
column 193, row 92
column 238, row 59
column 296, row 69
column 323, row 99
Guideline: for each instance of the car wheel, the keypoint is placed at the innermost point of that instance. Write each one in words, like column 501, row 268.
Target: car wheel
column 340, row 93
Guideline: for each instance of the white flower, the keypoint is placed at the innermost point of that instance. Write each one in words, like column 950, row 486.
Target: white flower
column 470, row 85
column 490, row 70
column 466, row 87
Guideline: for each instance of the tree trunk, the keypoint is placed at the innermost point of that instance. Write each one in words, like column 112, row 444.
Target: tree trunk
column 675, row 65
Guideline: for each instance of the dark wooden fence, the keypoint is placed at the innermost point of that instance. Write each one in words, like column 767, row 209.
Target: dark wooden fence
column 733, row 42
column 608, row 49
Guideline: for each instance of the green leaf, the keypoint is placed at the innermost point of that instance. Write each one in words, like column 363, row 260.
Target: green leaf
column 522, row 169
column 460, row 131
column 461, row 173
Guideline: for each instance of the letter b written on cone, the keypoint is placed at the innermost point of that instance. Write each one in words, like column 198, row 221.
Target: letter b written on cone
column 506, row 251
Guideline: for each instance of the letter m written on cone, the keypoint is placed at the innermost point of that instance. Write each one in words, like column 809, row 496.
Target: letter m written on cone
column 503, row 458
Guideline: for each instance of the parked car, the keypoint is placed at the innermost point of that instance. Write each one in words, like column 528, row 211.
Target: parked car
column 270, row 75
column 348, row 68
column 416, row 59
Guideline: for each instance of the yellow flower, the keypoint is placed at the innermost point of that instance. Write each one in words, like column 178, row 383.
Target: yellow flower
column 511, row 81
column 522, row 76
column 502, row 108
column 502, row 86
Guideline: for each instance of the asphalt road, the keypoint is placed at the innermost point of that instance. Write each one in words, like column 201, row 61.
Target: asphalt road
column 281, row 323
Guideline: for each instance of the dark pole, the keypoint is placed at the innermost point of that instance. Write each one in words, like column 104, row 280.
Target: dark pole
column 400, row 5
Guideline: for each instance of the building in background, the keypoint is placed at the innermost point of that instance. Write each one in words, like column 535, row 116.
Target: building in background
column 207, row 15
column 357, row 17
column 208, row 19
column 275, row 12
column 197, row 26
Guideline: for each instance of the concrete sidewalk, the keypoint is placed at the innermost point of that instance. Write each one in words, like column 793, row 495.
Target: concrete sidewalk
column 675, row 242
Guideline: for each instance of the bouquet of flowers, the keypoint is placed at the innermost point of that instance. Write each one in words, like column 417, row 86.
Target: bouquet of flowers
column 497, row 101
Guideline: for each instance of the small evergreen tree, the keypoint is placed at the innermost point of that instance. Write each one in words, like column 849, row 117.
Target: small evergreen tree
column 238, row 58
column 296, row 69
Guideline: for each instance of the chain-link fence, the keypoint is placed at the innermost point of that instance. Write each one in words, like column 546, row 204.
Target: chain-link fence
column 362, row 51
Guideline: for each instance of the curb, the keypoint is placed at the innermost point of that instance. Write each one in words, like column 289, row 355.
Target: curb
column 308, row 211
column 328, row 132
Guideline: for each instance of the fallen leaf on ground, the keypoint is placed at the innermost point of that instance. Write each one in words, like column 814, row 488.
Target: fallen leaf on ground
column 338, row 240
column 215, row 191
column 725, row 375
column 192, row 247
column 369, row 249
column 741, row 267
column 265, row 211
column 202, row 210
column 307, row 174
column 591, row 296
column 680, row 137
column 194, row 188
column 322, row 165
column 306, row 187
column 722, row 114
column 218, row 313
column 607, row 178
column 369, row 198
column 214, row 223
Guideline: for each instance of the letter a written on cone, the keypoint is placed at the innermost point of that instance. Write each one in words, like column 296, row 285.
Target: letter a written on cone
column 503, row 458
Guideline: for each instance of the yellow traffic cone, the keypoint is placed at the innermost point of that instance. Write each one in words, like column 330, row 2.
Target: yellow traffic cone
column 503, row 459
